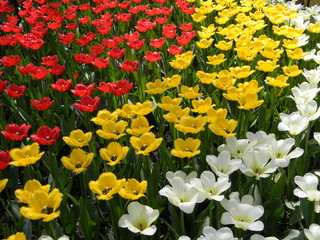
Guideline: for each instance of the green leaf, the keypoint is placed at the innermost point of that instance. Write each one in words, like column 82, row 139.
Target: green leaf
column 89, row 219
column 278, row 189
column 307, row 210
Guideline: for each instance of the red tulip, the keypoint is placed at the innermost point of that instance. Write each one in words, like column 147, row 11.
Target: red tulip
column 101, row 62
column 152, row 56
column 9, row 61
column 15, row 132
column 129, row 66
column 157, row 43
column 42, row 104
column 83, row 90
column 57, row 69
column 83, row 58
column 84, row 20
column 97, row 50
column 116, row 52
column 88, row 104
column 132, row 36
column 61, row 85
column 50, row 60
column 103, row 30
column 136, row 44
column 46, row 135
column 15, row 91
column 120, row 88
column 144, row 25
column 161, row 20
column 175, row 50
column 66, row 38
column 124, row 5
column 3, row 85
column 4, row 159
column 69, row 26
column 39, row 72
column 124, row 17
column 186, row 27
column 26, row 69
column 32, row 43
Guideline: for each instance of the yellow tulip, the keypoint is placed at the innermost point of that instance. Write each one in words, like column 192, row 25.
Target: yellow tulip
column 28, row 155
column 43, row 205
column 79, row 160
column 106, row 186
column 114, row 153
column 78, row 138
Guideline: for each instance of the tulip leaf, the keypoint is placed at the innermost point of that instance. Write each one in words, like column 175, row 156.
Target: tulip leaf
column 277, row 189
column 307, row 210
column 89, row 219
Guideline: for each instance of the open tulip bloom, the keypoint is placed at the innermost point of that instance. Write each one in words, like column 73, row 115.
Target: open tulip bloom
column 139, row 219
column 243, row 214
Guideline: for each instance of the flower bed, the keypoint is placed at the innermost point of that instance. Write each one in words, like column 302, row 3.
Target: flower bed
column 171, row 119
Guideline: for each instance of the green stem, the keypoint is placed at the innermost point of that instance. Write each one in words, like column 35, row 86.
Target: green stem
column 183, row 231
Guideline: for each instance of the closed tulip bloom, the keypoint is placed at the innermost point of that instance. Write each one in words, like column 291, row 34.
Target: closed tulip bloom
column 112, row 130
column 146, row 143
column 186, row 148
column 24, row 195
column 293, row 123
column 79, row 160
column 307, row 187
column 27, row 155
column 133, row 189
column 139, row 219
column 106, row 186
column 114, row 153
column 43, row 205
column 78, row 138
column 3, row 184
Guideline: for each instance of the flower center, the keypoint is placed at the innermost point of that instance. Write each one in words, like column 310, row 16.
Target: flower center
column 106, row 191
column 47, row 210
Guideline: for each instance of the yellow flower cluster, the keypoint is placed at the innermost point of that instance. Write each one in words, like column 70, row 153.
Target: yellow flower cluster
column 41, row 203
column 108, row 185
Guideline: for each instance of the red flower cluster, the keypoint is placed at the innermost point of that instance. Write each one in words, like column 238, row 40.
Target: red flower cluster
column 118, row 89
